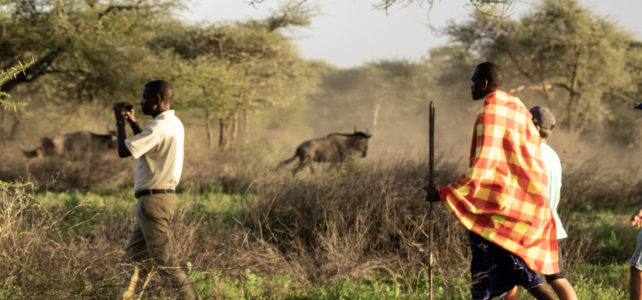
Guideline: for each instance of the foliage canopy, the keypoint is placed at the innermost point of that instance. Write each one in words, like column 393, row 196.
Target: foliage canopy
column 566, row 52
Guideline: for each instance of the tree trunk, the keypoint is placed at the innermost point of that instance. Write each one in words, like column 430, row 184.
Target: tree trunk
column 3, row 135
column 222, row 134
column 569, row 114
column 547, row 95
column 209, row 120
column 235, row 128
column 8, row 134
column 574, row 101
column 243, row 124
column 14, row 126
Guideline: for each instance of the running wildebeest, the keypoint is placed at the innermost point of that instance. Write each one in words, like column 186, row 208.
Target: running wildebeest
column 73, row 145
column 335, row 148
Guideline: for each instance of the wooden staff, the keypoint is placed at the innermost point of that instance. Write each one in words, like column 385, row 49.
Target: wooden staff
column 431, row 184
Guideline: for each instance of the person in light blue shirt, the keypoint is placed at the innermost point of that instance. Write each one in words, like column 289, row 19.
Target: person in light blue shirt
column 635, row 282
column 545, row 122
column 554, row 171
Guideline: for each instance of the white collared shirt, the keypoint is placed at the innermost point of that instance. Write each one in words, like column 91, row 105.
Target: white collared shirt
column 159, row 149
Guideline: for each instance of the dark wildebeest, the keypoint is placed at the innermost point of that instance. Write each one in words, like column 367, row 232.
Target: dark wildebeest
column 73, row 145
column 335, row 148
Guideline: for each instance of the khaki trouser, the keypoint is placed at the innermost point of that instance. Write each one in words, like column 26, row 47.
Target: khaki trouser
column 150, row 248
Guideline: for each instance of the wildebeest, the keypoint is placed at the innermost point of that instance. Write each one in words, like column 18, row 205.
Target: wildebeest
column 335, row 148
column 74, row 145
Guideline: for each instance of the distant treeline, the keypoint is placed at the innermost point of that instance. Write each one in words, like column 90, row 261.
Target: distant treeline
column 230, row 75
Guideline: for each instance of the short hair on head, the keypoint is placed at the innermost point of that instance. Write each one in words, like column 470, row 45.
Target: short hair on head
column 162, row 88
column 491, row 72
column 545, row 133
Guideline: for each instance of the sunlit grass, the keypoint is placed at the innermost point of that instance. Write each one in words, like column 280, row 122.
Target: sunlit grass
column 351, row 233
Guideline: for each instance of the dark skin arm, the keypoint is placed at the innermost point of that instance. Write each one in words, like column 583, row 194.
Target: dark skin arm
column 431, row 194
column 132, row 123
column 120, row 140
column 636, row 218
column 121, row 114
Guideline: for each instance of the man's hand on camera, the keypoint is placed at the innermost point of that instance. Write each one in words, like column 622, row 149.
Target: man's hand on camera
column 431, row 194
column 120, row 112
column 131, row 116
column 636, row 218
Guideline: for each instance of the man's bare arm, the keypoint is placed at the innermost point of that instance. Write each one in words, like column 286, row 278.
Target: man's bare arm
column 121, row 114
column 120, row 140
column 135, row 127
column 636, row 218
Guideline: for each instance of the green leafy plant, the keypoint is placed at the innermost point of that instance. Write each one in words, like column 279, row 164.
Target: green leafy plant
column 6, row 75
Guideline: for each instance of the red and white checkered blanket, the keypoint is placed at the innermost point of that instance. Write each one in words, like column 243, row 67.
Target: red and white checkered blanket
column 503, row 195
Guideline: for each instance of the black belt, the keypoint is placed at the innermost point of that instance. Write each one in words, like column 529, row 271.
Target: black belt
column 151, row 192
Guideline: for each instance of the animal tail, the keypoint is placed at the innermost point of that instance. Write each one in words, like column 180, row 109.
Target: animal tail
column 30, row 154
column 287, row 161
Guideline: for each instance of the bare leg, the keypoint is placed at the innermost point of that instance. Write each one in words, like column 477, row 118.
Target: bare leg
column 128, row 289
column 563, row 289
column 512, row 294
column 133, row 269
column 540, row 292
column 635, row 287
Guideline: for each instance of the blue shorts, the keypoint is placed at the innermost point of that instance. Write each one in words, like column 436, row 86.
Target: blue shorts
column 636, row 259
column 495, row 271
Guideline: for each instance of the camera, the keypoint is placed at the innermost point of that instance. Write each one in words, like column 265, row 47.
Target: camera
column 127, row 107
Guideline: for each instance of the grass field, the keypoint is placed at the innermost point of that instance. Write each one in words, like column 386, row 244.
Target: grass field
column 357, row 233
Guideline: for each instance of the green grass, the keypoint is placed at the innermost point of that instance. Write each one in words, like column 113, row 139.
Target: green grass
column 613, row 237
column 602, row 275
column 84, row 209
column 214, row 206
column 9, row 291
column 606, row 281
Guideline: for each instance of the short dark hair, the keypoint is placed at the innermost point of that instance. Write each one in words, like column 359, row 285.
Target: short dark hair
column 161, row 88
column 491, row 72
column 545, row 133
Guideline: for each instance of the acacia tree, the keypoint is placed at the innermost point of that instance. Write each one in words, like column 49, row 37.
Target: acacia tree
column 4, row 96
column 204, row 85
column 81, row 50
column 387, row 4
column 573, row 55
column 236, row 68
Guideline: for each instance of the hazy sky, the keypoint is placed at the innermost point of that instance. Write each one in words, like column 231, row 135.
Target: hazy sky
column 348, row 33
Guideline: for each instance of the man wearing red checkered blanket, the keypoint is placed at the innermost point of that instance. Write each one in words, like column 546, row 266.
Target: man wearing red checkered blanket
column 502, row 198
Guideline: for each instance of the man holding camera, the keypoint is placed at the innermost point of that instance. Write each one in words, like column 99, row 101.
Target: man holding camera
column 159, row 150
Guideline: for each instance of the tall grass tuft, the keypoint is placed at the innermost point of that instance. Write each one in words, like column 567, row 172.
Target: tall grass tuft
column 245, row 230
column 37, row 258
